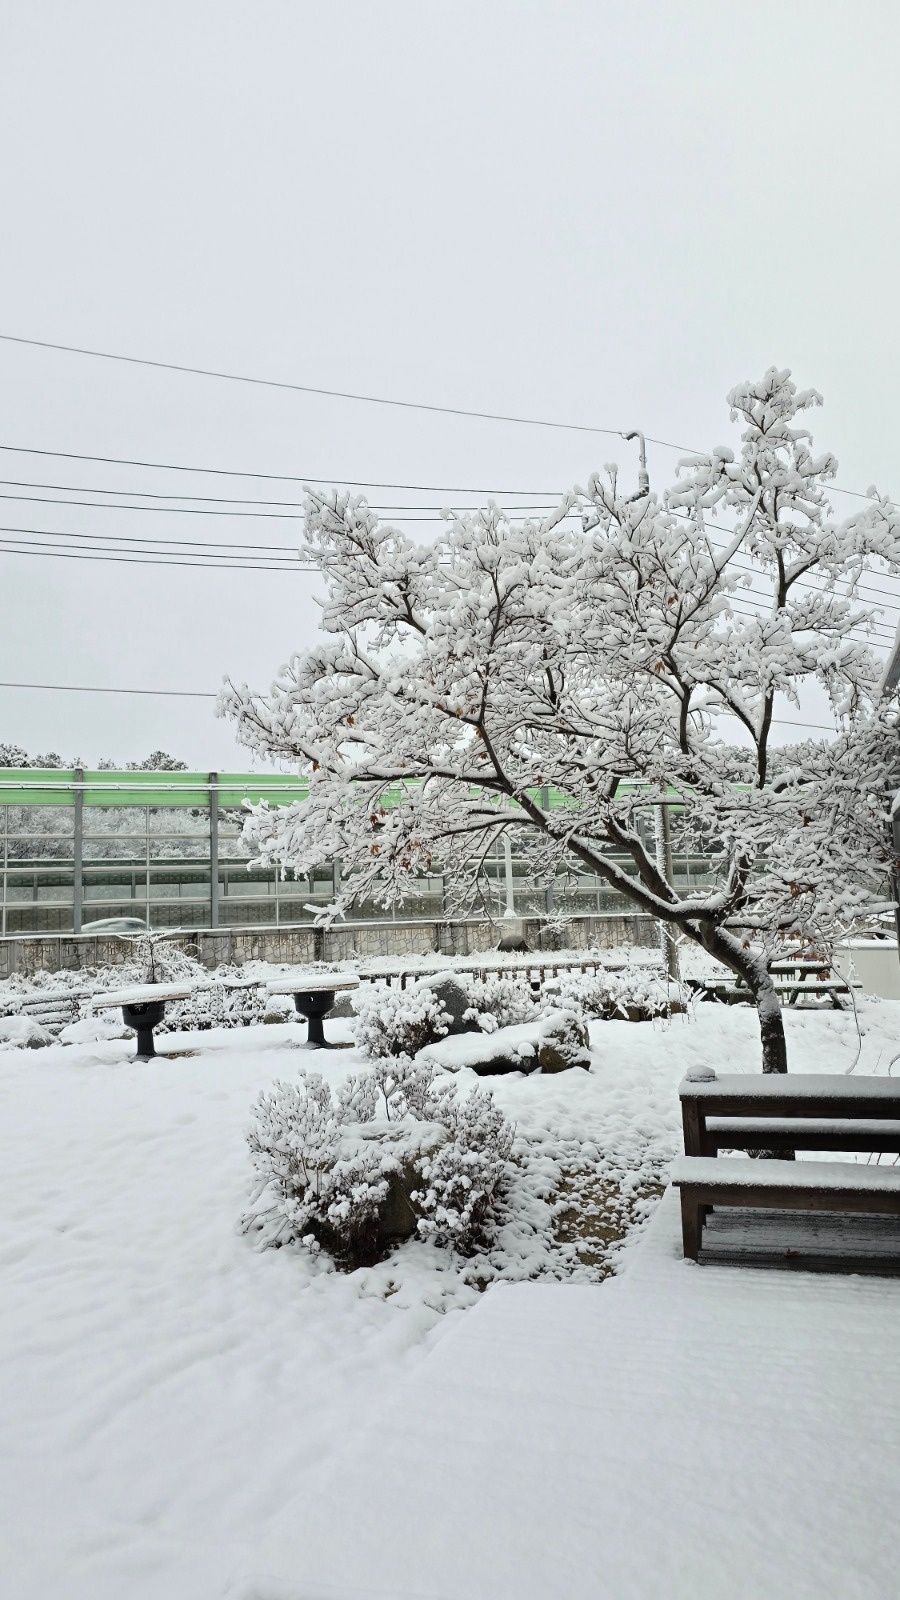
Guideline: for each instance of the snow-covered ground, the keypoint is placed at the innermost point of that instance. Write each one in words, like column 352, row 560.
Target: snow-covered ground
column 166, row 1391
column 681, row 1433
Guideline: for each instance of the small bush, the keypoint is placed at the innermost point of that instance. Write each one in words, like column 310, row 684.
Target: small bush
column 498, row 1002
column 391, row 1154
column 398, row 1022
column 460, row 1179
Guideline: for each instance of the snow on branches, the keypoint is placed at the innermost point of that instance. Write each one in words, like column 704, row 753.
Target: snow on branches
column 622, row 651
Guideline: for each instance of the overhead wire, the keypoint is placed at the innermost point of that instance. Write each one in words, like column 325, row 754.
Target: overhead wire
column 346, row 394
column 207, row 694
column 436, row 514
column 216, row 555
column 11, row 548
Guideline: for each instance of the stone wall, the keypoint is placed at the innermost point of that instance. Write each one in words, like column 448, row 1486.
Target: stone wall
column 348, row 941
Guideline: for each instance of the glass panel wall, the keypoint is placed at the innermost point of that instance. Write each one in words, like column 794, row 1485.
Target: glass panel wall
column 142, row 845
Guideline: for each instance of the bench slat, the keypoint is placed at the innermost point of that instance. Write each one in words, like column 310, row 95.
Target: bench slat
column 801, row 1133
column 833, row 1177
column 807, row 1086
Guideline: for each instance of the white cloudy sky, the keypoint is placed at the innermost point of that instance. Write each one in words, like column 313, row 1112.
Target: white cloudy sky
column 581, row 210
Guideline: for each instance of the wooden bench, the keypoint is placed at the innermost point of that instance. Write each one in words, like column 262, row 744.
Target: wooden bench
column 771, row 1186
column 788, row 1112
column 735, row 1110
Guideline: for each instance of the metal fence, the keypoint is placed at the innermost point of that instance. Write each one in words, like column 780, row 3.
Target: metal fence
column 77, row 847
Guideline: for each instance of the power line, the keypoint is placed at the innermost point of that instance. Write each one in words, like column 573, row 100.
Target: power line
column 93, row 688
column 151, row 539
column 436, row 516
column 200, row 694
column 267, row 477
column 179, row 511
column 106, row 547
column 345, row 394
column 9, row 549
column 308, row 388
column 149, row 494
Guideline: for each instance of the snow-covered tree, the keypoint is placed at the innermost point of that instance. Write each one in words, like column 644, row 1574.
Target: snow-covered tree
column 13, row 755
column 157, row 761
column 625, row 651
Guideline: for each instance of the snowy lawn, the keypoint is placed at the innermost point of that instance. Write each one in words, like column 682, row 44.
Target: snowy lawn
column 165, row 1390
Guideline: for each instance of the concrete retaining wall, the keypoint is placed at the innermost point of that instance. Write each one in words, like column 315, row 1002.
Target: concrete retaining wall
column 302, row 943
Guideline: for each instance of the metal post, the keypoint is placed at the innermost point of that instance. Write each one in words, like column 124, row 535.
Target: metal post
column 78, row 853
column 895, row 874
column 146, row 811
column 214, row 849
column 895, row 833
column 666, row 868
column 548, row 888
column 508, row 874
column 5, row 810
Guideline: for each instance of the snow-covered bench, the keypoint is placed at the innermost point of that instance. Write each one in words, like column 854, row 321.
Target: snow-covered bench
column 832, row 1187
column 52, row 1009
column 143, row 1006
column 803, row 1111
column 313, row 994
column 730, row 991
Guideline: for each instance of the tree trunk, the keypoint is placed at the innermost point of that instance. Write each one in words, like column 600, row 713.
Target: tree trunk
column 768, row 1006
column 771, row 1028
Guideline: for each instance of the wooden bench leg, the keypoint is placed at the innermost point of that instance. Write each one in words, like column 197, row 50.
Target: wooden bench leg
column 691, row 1224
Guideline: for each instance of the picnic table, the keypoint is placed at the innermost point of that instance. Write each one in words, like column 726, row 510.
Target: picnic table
column 784, row 1113
column 314, row 994
column 795, row 979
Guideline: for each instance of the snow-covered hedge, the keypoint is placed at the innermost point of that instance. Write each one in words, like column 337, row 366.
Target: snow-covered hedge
column 637, row 993
column 391, row 1153
column 401, row 1022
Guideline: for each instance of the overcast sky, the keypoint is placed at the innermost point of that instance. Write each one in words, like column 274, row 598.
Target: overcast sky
column 596, row 212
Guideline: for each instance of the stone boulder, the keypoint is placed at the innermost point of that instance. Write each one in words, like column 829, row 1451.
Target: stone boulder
column 512, row 1049
column 280, row 1008
column 454, row 997
column 400, row 1146
column 562, row 1042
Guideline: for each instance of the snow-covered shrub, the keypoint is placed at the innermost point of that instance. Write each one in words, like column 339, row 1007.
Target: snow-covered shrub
column 92, row 1030
column 555, row 931
column 499, row 1002
column 20, row 1033
column 638, row 994
column 10, row 1001
column 460, row 1178
column 309, row 1188
column 389, row 1154
column 397, row 1022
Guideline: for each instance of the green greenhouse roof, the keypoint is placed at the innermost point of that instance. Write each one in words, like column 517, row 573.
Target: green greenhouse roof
column 55, row 786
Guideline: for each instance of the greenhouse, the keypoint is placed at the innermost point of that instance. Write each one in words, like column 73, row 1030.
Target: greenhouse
column 77, row 847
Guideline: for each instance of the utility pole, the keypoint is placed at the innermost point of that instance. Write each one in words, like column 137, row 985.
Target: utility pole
column 666, row 869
